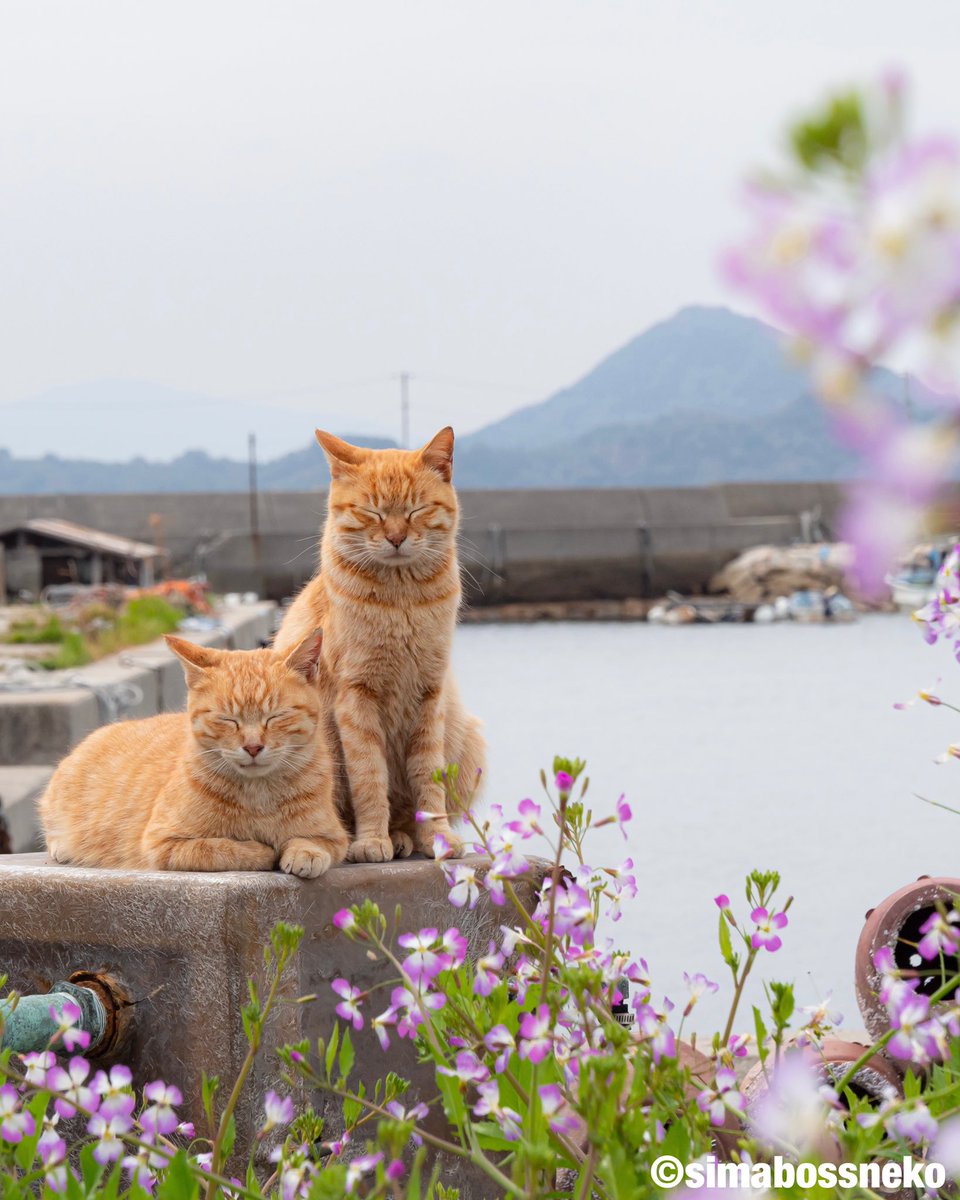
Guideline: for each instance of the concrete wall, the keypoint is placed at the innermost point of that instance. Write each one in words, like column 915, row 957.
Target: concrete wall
column 519, row 544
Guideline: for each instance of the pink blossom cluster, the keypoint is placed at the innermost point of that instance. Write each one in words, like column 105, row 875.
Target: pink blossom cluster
column 863, row 267
column 920, row 1034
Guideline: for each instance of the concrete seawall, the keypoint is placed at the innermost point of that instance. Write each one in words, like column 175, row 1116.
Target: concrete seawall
column 516, row 545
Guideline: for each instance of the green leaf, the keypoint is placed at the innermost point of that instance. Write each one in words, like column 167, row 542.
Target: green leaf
column 761, row 1031
column 26, row 1150
column 490, row 1137
column 331, row 1055
column 347, row 1055
column 90, row 1169
column 178, row 1183
column 209, row 1086
column 229, row 1137
column 112, row 1186
column 726, row 946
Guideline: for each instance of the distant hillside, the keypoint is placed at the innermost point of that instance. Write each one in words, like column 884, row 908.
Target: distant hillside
column 708, row 361
column 162, row 422
column 704, row 397
column 195, row 471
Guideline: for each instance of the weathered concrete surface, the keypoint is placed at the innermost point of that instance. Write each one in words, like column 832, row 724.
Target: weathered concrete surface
column 20, row 788
column 183, row 944
column 39, row 727
column 520, row 544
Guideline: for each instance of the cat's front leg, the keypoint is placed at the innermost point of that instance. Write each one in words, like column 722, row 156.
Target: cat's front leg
column 208, row 854
column 310, row 857
column 365, row 757
column 424, row 759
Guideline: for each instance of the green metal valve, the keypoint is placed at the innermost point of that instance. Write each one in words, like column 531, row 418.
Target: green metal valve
column 27, row 1025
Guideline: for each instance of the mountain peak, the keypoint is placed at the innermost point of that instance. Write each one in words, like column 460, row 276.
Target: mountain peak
column 702, row 358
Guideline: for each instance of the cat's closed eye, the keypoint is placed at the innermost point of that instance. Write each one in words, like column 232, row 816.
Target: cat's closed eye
column 229, row 721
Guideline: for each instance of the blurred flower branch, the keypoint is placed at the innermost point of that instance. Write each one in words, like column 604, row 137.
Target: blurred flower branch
column 854, row 251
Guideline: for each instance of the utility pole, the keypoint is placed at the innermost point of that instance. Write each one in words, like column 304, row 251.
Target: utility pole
column 255, row 543
column 405, row 378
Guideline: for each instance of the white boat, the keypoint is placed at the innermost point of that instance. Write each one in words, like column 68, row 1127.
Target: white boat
column 913, row 587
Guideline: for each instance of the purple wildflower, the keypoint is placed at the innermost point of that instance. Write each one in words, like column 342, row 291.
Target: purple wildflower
column 349, row 1007
column 487, row 971
column 67, row 1026
column 560, row 1117
column 160, row 1118
column 528, row 822
column 500, row 1041
column 14, row 1124
column 278, row 1110
column 765, row 934
column 464, row 887
column 536, row 1034
column 344, row 920
column 70, row 1083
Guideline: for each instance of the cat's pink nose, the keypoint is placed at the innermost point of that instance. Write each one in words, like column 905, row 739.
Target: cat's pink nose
column 397, row 539
column 253, row 751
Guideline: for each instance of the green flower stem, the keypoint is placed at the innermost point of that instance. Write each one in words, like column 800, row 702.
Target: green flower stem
column 586, row 1180
column 475, row 1155
column 738, row 993
column 216, row 1155
column 554, row 882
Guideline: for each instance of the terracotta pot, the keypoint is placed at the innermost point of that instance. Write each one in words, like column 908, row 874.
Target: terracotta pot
column 831, row 1063
column 895, row 923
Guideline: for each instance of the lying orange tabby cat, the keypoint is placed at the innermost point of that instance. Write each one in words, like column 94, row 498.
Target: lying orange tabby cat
column 243, row 777
column 387, row 597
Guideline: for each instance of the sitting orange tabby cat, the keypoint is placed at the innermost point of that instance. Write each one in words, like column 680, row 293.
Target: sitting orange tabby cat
column 387, row 597
column 243, row 777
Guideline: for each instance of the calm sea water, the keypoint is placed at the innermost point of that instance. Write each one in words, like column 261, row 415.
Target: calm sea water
column 738, row 746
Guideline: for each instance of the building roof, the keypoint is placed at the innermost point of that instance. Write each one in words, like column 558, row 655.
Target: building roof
column 82, row 535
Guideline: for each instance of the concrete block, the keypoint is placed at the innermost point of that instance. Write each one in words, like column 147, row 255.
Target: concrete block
column 20, row 788
column 124, row 691
column 181, row 946
column 41, row 726
column 38, row 728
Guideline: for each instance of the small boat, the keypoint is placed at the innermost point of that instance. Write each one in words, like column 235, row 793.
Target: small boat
column 915, row 583
column 913, row 587
column 807, row 606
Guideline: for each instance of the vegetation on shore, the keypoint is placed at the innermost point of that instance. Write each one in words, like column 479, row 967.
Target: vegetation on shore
column 95, row 631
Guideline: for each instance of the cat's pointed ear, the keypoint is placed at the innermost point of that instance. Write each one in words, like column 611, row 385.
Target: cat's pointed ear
column 341, row 456
column 303, row 658
column 438, row 453
column 196, row 659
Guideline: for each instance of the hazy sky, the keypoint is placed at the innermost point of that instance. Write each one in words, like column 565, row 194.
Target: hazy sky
column 291, row 202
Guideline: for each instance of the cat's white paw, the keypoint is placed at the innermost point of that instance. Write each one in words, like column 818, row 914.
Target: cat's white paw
column 370, row 850
column 308, row 863
column 402, row 844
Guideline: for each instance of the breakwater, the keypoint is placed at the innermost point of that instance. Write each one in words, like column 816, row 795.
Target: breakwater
column 516, row 545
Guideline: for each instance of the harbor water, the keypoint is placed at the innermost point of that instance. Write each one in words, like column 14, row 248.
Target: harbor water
column 738, row 747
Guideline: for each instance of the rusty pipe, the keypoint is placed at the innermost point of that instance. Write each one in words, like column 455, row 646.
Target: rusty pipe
column 30, row 1023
